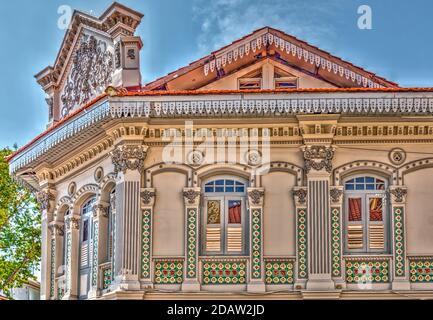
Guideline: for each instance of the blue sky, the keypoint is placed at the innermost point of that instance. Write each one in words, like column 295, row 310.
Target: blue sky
column 176, row 32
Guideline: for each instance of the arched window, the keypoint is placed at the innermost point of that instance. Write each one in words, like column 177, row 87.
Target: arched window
column 85, row 240
column 366, row 215
column 224, row 217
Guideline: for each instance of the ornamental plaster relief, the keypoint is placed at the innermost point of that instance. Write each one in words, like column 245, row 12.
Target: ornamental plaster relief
column 91, row 71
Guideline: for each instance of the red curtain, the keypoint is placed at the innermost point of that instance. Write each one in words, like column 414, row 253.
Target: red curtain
column 235, row 213
column 355, row 210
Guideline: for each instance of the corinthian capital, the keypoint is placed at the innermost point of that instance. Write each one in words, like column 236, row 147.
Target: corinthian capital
column 398, row 194
column 255, row 196
column 300, row 195
column 72, row 222
column 100, row 210
column 44, row 198
column 191, row 196
column 128, row 157
column 147, row 197
column 318, row 158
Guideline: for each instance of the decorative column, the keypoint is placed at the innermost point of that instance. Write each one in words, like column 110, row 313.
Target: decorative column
column 128, row 161
column 318, row 165
column 336, row 194
column 147, row 202
column 256, row 280
column 57, row 234
column 300, row 195
column 72, row 224
column 99, row 225
column 192, row 217
column 400, row 263
column 46, row 199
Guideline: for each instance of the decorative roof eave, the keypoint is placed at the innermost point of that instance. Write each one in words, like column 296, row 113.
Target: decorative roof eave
column 283, row 42
column 253, row 103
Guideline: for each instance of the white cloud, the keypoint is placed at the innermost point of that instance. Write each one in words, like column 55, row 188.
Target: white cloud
column 223, row 21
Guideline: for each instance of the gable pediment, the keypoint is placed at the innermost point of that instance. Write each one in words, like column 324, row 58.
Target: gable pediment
column 90, row 54
column 269, row 43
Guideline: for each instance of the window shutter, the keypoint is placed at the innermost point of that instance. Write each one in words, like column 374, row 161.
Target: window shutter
column 234, row 239
column 355, row 237
column 84, row 254
column 376, row 229
column 213, row 239
column 377, row 237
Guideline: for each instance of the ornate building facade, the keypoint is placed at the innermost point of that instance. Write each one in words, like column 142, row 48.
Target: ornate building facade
column 267, row 169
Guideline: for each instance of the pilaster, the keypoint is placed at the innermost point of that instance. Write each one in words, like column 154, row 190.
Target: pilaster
column 301, row 275
column 336, row 197
column 72, row 223
column 400, row 263
column 256, row 280
column 128, row 160
column 147, row 203
column 57, row 230
column 318, row 165
column 46, row 199
column 99, row 239
column 192, row 216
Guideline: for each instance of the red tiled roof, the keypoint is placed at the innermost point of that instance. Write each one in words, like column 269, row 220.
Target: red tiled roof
column 202, row 61
column 302, row 90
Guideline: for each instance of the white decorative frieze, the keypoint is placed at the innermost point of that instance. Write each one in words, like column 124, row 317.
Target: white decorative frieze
column 281, row 104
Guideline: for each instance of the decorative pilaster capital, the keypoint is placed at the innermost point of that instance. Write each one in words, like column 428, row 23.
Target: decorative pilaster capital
column 45, row 199
column 256, row 197
column 192, row 196
column 336, row 195
column 398, row 194
column 128, row 157
column 100, row 210
column 147, row 196
column 300, row 195
column 57, row 228
column 318, row 158
column 72, row 222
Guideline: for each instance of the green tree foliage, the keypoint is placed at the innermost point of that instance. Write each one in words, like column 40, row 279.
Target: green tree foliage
column 20, row 231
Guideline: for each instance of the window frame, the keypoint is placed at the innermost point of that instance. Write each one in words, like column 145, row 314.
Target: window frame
column 365, row 196
column 224, row 198
column 277, row 80
column 242, row 81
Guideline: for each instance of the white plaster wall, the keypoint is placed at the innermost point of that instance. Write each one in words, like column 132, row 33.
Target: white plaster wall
column 169, row 215
column 419, row 211
column 279, row 214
